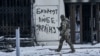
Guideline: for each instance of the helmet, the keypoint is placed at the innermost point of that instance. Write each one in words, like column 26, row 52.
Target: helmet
column 62, row 17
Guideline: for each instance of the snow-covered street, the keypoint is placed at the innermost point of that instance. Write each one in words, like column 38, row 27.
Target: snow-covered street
column 81, row 50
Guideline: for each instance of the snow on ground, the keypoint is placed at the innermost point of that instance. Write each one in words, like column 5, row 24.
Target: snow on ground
column 81, row 50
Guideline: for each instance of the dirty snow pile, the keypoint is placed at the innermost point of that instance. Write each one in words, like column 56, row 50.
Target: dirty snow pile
column 81, row 50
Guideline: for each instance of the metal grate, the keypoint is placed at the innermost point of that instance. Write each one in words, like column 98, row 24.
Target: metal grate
column 14, row 13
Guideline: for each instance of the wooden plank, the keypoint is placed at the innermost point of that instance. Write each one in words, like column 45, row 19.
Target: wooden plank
column 72, row 22
column 81, row 25
column 97, row 19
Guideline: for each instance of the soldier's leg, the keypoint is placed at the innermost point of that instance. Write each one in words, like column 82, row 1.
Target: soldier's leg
column 60, row 44
column 70, row 43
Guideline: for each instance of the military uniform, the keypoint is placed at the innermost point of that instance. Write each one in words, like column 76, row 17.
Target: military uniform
column 65, row 34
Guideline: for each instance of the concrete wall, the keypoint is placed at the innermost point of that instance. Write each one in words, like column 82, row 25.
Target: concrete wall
column 47, row 19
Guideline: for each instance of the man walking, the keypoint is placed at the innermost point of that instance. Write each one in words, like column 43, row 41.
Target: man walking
column 65, row 34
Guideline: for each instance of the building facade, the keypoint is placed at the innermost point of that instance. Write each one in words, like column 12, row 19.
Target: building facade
column 13, row 14
column 84, row 18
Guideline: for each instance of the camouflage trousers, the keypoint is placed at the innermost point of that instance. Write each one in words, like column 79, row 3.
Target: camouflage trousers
column 67, row 39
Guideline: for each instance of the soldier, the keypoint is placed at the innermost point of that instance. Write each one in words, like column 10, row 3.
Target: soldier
column 64, row 33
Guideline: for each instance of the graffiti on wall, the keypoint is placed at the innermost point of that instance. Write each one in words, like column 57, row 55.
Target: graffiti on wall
column 47, row 19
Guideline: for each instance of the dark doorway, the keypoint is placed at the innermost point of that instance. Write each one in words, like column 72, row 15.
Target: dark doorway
column 67, row 10
column 86, row 15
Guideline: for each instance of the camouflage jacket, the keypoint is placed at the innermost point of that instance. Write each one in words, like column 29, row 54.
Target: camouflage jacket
column 65, row 27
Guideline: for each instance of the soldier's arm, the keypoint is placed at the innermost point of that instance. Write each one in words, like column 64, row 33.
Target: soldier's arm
column 60, row 28
column 63, row 28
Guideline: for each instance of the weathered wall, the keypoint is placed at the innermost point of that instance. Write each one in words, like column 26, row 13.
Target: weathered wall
column 47, row 19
